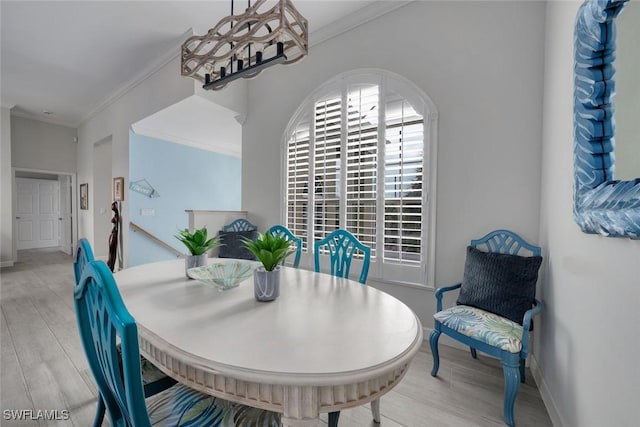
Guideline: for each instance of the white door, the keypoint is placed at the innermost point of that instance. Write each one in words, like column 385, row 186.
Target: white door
column 37, row 213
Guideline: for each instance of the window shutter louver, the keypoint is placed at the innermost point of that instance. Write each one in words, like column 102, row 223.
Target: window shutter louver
column 362, row 163
column 326, row 159
column 298, row 182
column 404, row 149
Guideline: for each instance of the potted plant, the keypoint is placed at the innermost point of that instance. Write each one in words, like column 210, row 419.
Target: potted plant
column 198, row 246
column 271, row 251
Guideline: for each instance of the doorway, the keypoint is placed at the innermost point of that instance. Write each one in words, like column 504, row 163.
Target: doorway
column 44, row 205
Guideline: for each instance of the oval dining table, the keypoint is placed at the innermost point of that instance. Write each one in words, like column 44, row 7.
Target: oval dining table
column 323, row 345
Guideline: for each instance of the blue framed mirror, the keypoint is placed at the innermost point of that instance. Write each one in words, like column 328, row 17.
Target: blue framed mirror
column 602, row 205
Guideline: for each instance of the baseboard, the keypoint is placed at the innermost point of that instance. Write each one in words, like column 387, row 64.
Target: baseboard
column 4, row 264
column 552, row 409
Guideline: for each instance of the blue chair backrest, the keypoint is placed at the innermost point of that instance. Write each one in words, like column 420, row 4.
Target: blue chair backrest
column 84, row 255
column 239, row 224
column 102, row 317
column 280, row 230
column 505, row 242
column 342, row 245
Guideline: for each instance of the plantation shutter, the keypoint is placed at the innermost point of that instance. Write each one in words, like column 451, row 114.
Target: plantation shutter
column 326, row 160
column 403, row 170
column 298, row 168
column 361, row 166
column 356, row 160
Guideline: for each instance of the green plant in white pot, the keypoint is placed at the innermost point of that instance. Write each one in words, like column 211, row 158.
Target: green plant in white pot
column 271, row 251
column 198, row 245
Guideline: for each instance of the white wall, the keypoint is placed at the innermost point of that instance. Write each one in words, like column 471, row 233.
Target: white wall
column 481, row 64
column 159, row 90
column 587, row 341
column 6, row 210
column 42, row 146
column 100, row 198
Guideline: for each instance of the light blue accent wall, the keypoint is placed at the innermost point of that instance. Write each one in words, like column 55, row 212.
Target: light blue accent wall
column 186, row 178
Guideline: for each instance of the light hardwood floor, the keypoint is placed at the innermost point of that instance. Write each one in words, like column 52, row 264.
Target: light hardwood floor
column 43, row 365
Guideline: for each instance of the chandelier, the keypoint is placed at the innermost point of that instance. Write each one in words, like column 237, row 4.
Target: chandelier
column 244, row 45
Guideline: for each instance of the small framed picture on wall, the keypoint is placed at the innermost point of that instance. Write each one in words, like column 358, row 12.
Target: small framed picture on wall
column 118, row 189
column 84, row 196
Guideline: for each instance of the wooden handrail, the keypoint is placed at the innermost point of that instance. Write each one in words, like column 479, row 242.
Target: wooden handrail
column 150, row 236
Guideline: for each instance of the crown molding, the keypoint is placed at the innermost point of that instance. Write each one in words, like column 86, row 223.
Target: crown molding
column 230, row 150
column 170, row 54
column 355, row 19
column 342, row 25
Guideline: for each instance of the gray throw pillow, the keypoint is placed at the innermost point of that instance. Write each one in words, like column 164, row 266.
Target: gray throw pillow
column 232, row 245
column 500, row 283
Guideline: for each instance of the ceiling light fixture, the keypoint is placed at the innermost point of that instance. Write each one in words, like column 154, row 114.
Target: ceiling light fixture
column 243, row 45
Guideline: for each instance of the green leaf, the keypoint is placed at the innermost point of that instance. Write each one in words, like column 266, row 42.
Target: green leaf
column 270, row 250
column 197, row 242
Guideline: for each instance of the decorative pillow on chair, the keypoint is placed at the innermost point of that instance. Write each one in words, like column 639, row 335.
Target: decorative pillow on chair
column 232, row 245
column 500, row 283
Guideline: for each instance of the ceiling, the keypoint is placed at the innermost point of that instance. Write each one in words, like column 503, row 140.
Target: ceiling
column 68, row 58
column 196, row 122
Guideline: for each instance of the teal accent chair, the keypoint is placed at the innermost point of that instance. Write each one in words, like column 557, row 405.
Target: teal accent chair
column 342, row 245
column 102, row 319
column 153, row 379
column 487, row 331
column 281, row 230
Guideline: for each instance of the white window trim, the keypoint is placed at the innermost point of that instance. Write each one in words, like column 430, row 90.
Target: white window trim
column 417, row 98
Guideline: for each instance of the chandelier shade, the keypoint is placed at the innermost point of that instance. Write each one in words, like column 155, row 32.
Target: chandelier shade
column 241, row 46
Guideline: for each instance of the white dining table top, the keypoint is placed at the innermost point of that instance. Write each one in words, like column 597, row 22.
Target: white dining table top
column 319, row 330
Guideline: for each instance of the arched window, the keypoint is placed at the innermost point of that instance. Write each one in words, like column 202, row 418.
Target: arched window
column 365, row 142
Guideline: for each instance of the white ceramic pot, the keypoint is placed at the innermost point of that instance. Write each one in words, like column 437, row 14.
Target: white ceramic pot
column 266, row 284
column 191, row 261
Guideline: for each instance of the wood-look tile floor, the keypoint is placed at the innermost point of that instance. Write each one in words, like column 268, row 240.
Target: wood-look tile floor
column 42, row 364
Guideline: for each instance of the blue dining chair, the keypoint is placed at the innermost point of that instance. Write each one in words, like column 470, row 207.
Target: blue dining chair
column 342, row 246
column 240, row 224
column 84, row 255
column 281, row 230
column 102, row 319
column 154, row 380
column 231, row 239
column 495, row 306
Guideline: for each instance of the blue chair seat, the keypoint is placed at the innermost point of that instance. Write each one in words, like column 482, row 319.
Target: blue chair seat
column 150, row 373
column 183, row 406
column 483, row 326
